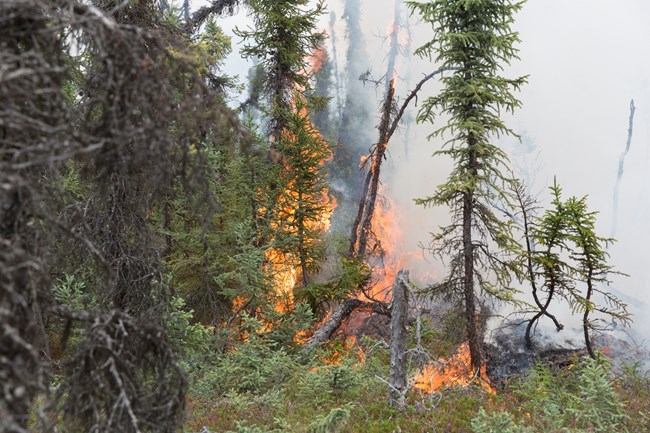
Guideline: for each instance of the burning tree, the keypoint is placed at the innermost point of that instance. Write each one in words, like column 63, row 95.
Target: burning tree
column 304, row 206
column 476, row 38
column 298, row 207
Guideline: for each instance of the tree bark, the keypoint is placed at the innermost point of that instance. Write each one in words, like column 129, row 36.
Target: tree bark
column 473, row 334
column 363, row 223
column 323, row 333
column 398, row 321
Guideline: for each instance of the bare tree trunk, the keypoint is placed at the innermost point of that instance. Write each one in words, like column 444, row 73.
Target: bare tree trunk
column 387, row 128
column 398, row 321
column 621, row 162
column 337, row 78
column 363, row 223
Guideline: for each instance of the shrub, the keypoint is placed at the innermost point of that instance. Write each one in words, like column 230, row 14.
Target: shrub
column 496, row 422
column 578, row 402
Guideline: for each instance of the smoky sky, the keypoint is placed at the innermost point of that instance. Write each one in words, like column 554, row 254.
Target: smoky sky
column 586, row 59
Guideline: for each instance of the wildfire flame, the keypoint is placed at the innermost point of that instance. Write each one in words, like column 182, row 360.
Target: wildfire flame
column 337, row 357
column 317, row 60
column 284, row 275
column 283, row 267
column 454, row 371
column 389, row 254
column 401, row 35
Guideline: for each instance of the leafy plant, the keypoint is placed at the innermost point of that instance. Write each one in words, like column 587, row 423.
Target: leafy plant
column 190, row 339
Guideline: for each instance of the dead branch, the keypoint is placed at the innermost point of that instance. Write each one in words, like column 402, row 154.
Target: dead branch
column 124, row 379
column 216, row 7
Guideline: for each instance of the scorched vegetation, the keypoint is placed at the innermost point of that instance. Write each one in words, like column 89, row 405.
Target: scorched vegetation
column 185, row 251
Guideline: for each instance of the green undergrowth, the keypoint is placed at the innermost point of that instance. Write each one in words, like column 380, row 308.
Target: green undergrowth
column 259, row 388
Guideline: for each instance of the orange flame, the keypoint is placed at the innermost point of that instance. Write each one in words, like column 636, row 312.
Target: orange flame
column 400, row 34
column 403, row 38
column 284, row 267
column 317, row 60
column 388, row 256
column 454, row 371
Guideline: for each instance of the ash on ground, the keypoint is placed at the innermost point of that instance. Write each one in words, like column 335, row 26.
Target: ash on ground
column 507, row 355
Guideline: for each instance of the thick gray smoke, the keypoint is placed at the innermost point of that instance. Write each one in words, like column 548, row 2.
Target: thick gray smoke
column 586, row 60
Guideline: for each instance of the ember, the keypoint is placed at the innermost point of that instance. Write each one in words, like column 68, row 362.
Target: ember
column 454, row 371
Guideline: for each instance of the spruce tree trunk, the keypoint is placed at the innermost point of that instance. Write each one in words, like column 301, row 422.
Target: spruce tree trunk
column 473, row 334
column 399, row 317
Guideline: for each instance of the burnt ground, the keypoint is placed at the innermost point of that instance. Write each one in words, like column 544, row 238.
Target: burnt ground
column 506, row 354
column 508, row 357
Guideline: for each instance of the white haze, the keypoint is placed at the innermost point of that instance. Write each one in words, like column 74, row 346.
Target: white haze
column 586, row 59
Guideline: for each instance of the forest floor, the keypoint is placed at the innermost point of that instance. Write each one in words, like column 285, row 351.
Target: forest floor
column 258, row 389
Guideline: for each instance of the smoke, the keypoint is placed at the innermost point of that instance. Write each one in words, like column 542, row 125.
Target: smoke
column 586, row 60
column 583, row 73
column 356, row 122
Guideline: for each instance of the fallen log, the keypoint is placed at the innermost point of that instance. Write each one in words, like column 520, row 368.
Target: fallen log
column 338, row 316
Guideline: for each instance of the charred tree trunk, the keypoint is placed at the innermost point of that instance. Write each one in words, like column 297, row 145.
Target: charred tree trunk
column 362, row 226
column 399, row 317
column 325, row 331
column 332, row 324
column 394, row 45
column 621, row 163
column 387, row 128
column 363, row 223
